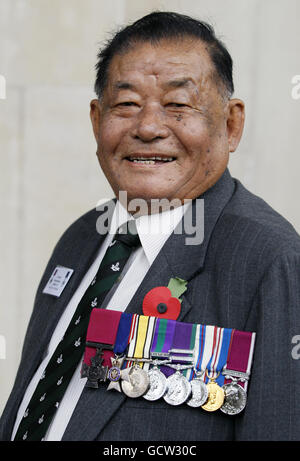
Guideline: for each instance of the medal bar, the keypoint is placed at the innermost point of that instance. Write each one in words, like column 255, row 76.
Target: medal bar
column 165, row 355
column 235, row 374
column 182, row 351
column 108, row 347
column 181, row 358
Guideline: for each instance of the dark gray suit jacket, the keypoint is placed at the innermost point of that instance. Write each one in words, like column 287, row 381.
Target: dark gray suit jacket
column 245, row 275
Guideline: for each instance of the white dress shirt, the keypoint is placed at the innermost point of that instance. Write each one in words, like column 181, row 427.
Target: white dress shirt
column 153, row 231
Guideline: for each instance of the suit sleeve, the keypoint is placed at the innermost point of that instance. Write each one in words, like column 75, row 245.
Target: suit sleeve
column 273, row 407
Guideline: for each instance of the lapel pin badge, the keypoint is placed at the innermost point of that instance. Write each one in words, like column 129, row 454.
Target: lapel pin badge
column 58, row 281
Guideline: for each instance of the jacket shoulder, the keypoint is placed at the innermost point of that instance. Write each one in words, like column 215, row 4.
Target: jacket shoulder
column 250, row 211
column 253, row 233
column 85, row 225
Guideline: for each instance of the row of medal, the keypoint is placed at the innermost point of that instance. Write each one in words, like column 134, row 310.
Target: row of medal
column 198, row 365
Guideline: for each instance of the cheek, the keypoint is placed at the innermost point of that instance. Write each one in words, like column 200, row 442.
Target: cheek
column 111, row 134
column 107, row 138
column 204, row 145
column 195, row 137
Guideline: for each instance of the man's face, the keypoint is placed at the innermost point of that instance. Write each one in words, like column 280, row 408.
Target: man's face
column 162, row 128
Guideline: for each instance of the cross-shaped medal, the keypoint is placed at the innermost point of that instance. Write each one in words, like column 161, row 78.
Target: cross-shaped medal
column 95, row 372
column 115, row 374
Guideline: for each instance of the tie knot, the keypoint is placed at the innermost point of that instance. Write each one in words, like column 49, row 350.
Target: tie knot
column 127, row 233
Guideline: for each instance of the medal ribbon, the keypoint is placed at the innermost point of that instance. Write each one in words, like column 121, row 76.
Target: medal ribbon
column 199, row 348
column 184, row 338
column 102, row 328
column 221, row 343
column 226, row 341
column 141, row 341
column 163, row 335
column 203, row 348
column 241, row 354
column 126, row 326
column 163, row 339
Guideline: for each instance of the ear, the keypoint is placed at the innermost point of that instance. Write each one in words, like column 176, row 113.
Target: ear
column 235, row 123
column 95, row 114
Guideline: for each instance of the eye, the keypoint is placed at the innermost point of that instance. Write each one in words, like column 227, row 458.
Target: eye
column 126, row 104
column 176, row 104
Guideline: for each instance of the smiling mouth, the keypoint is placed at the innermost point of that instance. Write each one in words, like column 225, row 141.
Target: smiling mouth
column 153, row 160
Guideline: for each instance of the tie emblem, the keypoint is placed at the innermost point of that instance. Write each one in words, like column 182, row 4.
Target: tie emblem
column 115, row 267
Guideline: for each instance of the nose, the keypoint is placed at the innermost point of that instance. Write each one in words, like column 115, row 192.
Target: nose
column 149, row 124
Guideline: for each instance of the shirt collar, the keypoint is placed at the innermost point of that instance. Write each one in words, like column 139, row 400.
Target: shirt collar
column 153, row 229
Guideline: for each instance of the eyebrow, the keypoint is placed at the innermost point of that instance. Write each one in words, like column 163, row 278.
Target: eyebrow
column 177, row 83
column 120, row 85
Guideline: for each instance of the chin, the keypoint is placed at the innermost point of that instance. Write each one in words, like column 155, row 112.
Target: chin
column 147, row 199
column 137, row 193
column 153, row 195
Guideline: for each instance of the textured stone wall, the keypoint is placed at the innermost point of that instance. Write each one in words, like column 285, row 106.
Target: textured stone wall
column 49, row 173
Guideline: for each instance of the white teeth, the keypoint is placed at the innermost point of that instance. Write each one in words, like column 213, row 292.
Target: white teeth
column 145, row 162
column 150, row 160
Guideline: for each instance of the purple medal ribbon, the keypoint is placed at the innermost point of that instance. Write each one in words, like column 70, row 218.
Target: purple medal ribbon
column 181, row 340
column 240, row 353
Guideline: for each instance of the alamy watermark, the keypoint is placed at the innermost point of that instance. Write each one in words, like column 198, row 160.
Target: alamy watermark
column 296, row 348
column 191, row 224
column 2, row 87
column 2, row 348
column 296, row 87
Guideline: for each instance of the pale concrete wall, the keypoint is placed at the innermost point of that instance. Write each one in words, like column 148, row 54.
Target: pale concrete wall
column 49, row 174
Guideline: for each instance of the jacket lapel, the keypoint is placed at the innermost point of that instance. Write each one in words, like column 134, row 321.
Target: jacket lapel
column 48, row 309
column 176, row 259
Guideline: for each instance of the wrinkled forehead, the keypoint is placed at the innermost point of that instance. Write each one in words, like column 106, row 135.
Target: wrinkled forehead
column 168, row 64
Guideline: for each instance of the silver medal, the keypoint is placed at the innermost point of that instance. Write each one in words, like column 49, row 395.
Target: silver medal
column 235, row 399
column 158, row 385
column 199, row 393
column 179, row 389
column 138, row 382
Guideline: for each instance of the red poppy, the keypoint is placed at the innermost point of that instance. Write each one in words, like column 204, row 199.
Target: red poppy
column 160, row 303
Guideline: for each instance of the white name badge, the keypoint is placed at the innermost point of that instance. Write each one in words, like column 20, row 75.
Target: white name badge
column 58, row 280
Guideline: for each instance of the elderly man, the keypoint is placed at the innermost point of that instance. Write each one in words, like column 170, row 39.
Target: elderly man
column 165, row 123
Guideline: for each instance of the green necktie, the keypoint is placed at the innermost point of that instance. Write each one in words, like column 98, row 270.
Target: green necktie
column 62, row 365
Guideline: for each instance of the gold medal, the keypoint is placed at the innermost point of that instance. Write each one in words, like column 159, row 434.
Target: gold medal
column 216, row 395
